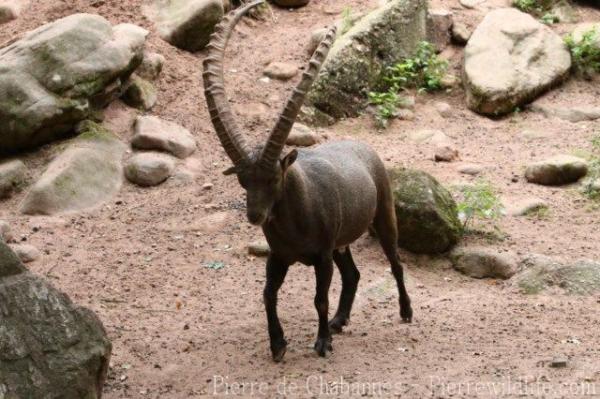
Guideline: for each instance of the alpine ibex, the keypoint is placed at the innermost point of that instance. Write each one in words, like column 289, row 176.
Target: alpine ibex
column 311, row 204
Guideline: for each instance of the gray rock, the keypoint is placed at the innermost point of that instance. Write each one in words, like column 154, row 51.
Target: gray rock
column 5, row 232
column 461, row 33
column 510, row 59
column 188, row 24
column 50, row 348
column 140, row 93
column 302, row 136
column 151, row 66
column 259, row 248
column 26, row 253
column 149, row 169
column 573, row 113
column 559, row 362
column 481, row 262
column 471, row 169
column 291, row 3
column 12, row 177
column 87, row 174
column 427, row 215
column 281, row 70
column 59, row 74
column 541, row 273
column 525, row 206
column 439, row 28
column 152, row 133
column 471, row 3
column 556, row 171
column 359, row 57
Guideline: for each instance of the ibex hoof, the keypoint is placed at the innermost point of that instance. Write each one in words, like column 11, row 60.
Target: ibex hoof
column 336, row 325
column 278, row 351
column 322, row 346
column 406, row 315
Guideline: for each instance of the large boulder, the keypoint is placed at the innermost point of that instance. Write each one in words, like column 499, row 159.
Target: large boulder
column 427, row 215
column 58, row 74
column 188, row 24
column 49, row 347
column 358, row 59
column 541, row 273
column 88, row 173
column 510, row 59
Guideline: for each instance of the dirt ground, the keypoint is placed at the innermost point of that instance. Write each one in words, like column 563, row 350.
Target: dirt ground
column 181, row 329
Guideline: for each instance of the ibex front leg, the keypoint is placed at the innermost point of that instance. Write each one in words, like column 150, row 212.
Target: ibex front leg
column 323, row 272
column 276, row 272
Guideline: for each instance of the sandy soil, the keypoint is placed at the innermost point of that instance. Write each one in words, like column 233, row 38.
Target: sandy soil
column 181, row 329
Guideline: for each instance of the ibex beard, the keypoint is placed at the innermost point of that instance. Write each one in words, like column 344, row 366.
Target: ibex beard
column 311, row 204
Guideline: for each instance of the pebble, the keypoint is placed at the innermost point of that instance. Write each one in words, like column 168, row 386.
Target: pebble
column 27, row 253
column 281, row 70
column 259, row 248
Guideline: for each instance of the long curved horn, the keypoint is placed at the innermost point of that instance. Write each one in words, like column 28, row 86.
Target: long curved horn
column 280, row 132
column 214, row 87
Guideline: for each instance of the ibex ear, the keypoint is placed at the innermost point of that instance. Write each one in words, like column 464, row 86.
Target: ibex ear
column 230, row 171
column 289, row 159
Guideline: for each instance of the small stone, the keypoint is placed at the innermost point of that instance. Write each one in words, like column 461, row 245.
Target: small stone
column 151, row 66
column 207, row 186
column 302, row 136
column 12, row 176
column 556, row 171
column 281, row 70
column 461, row 33
column 526, row 206
column 449, row 81
column 5, row 232
column 149, row 169
column 471, row 169
column 559, row 362
column 140, row 93
column 10, row 10
column 428, row 136
column 482, row 262
column 443, row 108
column 27, row 253
column 445, row 153
column 152, row 133
column 259, row 248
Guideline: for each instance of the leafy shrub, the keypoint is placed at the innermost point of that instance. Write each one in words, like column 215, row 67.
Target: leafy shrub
column 585, row 53
column 424, row 72
column 479, row 201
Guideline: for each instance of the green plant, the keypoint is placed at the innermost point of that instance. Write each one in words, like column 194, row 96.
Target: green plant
column 347, row 20
column 479, row 201
column 550, row 18
column 585, row 51
column 424, row 72
column 535, row 7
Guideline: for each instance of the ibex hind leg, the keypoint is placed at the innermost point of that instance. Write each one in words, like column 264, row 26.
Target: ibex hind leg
column 387, row 231
column 350, row 276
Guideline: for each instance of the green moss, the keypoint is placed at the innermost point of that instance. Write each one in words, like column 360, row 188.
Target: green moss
column 89, row 130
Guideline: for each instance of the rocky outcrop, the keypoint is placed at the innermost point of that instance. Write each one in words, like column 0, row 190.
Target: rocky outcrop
column 358, row 59
column 85, row 175
column 49, row 347
column 510, row 59
column 427, row 215
column 58, row 74
column 188, row 24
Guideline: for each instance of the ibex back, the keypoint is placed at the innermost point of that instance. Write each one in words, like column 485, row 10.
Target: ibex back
column 311, row 204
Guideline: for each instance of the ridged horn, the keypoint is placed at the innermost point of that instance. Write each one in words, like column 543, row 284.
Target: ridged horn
column 214, row 87
column 280, row 132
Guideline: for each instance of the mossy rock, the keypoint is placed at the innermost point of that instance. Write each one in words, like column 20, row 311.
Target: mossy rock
column 542, row 274
column 358, row 59
column 427, row 214
column 58, row 74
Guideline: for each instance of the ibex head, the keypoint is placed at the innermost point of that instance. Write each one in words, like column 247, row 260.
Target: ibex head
column 262, row 172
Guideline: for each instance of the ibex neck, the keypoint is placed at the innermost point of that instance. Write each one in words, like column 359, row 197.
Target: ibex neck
column 293, row 196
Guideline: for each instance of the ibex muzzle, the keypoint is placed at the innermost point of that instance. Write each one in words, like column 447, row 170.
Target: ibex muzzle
column 311, row 204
